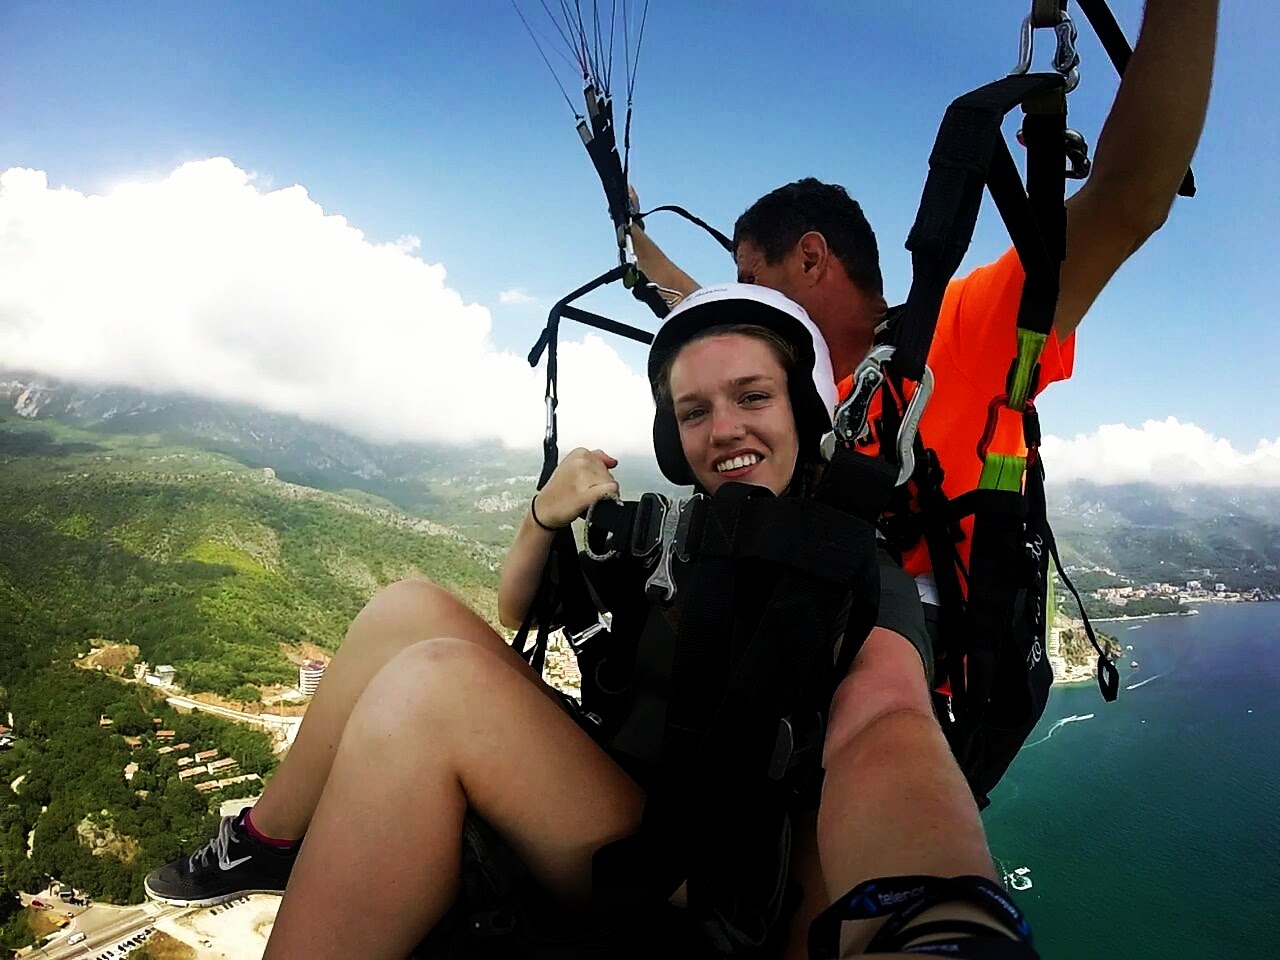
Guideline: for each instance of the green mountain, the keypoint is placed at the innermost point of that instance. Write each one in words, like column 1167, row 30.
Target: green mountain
column 479, row 490
column 1147, row 533
column 200, row 561
column 223, row 570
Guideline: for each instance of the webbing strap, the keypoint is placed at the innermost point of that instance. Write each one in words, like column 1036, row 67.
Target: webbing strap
column 968, row 154
column 720, row 238
column 1002, row 471
column 1108, row 675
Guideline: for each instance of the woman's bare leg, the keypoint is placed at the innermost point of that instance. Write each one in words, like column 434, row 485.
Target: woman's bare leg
column 894, row 800
column 447, row 725
column 398, row 616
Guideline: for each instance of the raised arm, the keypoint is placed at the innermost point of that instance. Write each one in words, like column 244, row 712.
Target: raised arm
column 1143, row 151
column 658, row 267
column 580, row 480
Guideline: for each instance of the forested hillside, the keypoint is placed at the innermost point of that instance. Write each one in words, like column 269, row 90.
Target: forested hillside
column 199, row 561
column 196, row 560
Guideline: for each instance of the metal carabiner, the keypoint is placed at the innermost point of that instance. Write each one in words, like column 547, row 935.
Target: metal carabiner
column 1026, row 46
column 911, row 424
column 1066, row 59
column 849, row 421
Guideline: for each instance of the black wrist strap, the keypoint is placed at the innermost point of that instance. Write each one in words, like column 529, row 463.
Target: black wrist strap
column 533, row 511
column 902, row 899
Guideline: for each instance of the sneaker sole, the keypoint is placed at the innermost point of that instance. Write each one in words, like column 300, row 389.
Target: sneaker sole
column 210, row 902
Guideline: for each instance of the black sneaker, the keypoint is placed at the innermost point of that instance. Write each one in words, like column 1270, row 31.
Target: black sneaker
column 229, row 865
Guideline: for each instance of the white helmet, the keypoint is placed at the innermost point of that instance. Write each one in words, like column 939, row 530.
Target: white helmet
column 811, row 385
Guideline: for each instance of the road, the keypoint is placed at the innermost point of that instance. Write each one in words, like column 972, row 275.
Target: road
column 104, row 927
column 286, row 725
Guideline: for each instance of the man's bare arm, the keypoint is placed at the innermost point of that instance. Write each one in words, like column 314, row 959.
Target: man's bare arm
column 1143, row 152
column 657, row 267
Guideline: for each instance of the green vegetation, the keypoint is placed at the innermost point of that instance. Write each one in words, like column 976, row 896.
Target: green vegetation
column 86, row 825
column 15, row 932
column 1076, row 648
column 200, row 562
column 1137, row 607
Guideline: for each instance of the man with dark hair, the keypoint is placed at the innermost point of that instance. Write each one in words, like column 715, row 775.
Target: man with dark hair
column 894, row 799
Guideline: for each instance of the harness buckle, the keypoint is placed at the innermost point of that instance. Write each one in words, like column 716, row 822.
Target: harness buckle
column 677, row 520
column 579, row 640
column 849, row 421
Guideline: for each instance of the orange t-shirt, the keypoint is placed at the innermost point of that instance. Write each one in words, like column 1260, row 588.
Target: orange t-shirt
column 973, row 346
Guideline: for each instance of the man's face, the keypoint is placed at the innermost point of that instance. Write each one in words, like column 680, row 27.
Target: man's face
column 753, row 268
column 787, row 276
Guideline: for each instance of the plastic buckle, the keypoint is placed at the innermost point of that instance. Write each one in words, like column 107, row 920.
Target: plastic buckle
column 791, row 746
column 646, row 529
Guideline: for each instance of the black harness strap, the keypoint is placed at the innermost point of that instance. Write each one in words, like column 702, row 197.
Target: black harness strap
column 719, row 237
column 968, row 155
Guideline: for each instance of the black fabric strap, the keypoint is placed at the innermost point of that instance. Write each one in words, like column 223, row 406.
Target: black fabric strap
column 1108, row 675
column 959, row 168
column 606, row 324
column 720, row 238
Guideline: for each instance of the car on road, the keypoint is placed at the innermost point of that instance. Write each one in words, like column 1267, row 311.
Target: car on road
column 76, row 938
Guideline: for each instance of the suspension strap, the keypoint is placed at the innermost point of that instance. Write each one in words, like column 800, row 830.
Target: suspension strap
column 719, row 237
column 969, row 154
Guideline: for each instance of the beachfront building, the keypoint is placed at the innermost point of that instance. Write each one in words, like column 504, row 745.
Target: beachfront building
column 309, row 675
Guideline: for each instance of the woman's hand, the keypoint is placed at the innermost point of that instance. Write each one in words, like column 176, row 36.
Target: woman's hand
column 582, row 478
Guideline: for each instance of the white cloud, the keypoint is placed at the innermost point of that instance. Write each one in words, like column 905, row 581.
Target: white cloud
column 517, row 296
column 1161, row 451
column 206, row 282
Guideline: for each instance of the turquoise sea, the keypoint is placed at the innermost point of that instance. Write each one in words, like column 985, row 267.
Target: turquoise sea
column 1152, row 828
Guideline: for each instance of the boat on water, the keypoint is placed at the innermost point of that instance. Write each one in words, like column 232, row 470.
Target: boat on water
column 1133, row 664
column 1019, row 878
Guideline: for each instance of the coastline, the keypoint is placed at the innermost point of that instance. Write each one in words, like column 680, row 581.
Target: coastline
column 1147, row 616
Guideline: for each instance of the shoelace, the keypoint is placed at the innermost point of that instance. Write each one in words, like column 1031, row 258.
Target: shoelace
column 219, row 846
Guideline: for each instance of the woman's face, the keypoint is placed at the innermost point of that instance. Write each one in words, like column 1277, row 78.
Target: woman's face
column 734, row 412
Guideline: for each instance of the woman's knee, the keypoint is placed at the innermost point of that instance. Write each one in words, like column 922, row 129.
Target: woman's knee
column 408, row 602
column 427, row 683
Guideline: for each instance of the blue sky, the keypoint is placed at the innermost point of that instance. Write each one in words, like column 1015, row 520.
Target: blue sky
column 439, row 121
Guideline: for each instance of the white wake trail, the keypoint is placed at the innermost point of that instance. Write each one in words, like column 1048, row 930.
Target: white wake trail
column 1143, row 683
column 1058, row 725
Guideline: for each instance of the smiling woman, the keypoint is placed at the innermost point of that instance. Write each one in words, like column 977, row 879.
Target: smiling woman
column 743, row 388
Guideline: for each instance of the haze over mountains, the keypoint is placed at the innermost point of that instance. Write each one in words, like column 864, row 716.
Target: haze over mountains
column 1142, row 531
